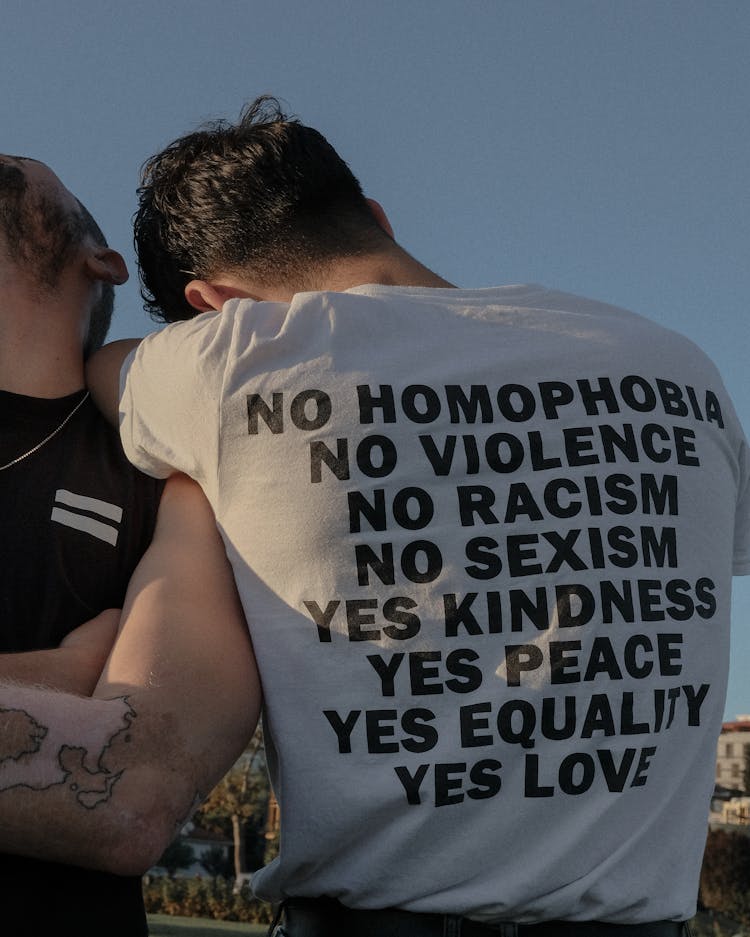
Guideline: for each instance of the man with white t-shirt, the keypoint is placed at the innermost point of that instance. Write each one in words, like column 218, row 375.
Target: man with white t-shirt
column 483, row 539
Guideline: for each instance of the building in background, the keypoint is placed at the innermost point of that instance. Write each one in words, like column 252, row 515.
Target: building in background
column 730, row 805
column 731, row 757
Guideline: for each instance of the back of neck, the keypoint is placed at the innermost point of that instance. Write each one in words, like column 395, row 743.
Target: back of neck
column 40, row 352
column 394, row 267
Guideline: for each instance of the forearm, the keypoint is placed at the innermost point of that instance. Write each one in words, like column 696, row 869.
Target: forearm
column 103, row 784
column 81, row 783
column 55, row 669
column 74, row 667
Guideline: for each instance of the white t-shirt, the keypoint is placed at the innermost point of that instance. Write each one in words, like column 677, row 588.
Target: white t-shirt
column 484, row 541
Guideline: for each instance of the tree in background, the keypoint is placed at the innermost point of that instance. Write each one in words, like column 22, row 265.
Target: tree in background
column 237, row 807
column 273, row 829
column 725, row 876
column 177, row 855
column 216, row 863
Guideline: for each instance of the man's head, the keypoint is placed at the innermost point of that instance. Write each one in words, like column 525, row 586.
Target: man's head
column 43, row 228
column 267, row 197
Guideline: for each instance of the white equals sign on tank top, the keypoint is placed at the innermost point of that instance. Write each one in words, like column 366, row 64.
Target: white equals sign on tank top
column 92, row 516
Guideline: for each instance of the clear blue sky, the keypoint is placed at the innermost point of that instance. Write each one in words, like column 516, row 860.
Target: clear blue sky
column 598, row 146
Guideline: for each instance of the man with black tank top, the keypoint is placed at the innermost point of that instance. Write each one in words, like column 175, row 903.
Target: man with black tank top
column 76, row 518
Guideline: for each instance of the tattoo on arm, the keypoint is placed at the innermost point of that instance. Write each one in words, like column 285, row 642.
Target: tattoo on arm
column 38, row 757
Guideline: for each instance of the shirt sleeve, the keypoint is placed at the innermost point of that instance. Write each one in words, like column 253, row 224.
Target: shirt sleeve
column 170, row 394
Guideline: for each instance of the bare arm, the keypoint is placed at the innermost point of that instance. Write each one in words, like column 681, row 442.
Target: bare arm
column 103, row 376
column 73, row 667
column 105, row 782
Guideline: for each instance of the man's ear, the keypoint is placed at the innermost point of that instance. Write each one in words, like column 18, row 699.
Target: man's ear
column 107, row 265
column 380, row 216
column 205, row 296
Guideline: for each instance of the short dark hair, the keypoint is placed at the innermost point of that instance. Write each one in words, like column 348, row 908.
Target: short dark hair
column 267, row 196
column 41, row 236
column 13, row 187
column 40, row 233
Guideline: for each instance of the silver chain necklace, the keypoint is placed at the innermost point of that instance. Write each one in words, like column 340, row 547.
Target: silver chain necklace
column 46, row 439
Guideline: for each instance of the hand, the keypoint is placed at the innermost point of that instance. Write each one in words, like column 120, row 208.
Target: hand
column 74, row 666
column 87, row 647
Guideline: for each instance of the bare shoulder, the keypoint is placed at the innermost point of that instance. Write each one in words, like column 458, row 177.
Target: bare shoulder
column 103, row 375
